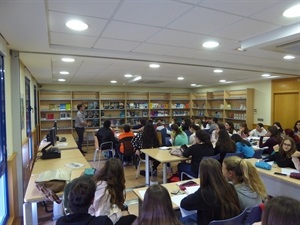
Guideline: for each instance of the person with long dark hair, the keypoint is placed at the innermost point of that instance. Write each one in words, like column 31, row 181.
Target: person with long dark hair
column 157, row 208
column 297, row 128
column 230, row 127
column 243, row 146
column 244, row 130
column 179, row 137
column 274, row 139
column 110, row 193
column 279, row 127
column 224, row 145
column 216, row 199
column 146, row 139
column 202, row 148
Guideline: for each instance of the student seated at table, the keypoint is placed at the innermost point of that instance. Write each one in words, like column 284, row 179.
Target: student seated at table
column 230, row 128
column 216, row 199
column 105, row 134
column 244, row 131
column 290, row 133
column 157, row 208
column 259, row 131
column 80, row 197
column 243, row 146
column 274, row 139
column 246, row 180
column 179, row 137
column 203, row 147
column 215, row 134
column 224, row 145
column 193, row 128
column 109, row 197
column 280, row 129
column 283, row 157
column 140, row 126
column 281, row 210
column 146, row 139
column 126, row 134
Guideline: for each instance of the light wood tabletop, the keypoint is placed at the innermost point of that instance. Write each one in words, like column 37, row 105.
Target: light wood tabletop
column 70, row 143
column 163, row 156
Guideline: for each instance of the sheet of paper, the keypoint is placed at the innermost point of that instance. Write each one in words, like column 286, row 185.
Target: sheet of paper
column 288, row 171
column 177, row 199
column 62, row 144
column 142, row 193
column 271, row 163
column 192, row 189
column 55, row 174
column 74, row 165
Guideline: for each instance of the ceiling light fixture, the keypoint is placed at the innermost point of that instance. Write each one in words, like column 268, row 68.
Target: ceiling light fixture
column 128, row 75
column 113, row 81
column 67, row 59
column 77, row 25
column 288, row 57
column 222, row 81
column 292, row 12
column 64, row 72
column 241, row 49
column 193, row 85
column 210, row 44
column 180, row 78
column 154, row 65
column 137, row 78
column 218, row 71
column 266, row 75
column 61, row 80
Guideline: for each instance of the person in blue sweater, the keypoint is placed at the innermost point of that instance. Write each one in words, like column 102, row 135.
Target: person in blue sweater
column 243, row 146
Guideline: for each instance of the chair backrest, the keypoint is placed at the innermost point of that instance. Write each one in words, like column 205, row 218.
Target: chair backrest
column 258, row 153
column 108, row 145
column 254, row 215
column 127, row 145
column 237, row 220
column 241, row 155
column 159, row 137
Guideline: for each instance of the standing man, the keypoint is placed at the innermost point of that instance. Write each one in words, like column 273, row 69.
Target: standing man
column 80, row 123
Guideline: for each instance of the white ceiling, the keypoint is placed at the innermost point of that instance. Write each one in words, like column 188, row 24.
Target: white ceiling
column 125, row 36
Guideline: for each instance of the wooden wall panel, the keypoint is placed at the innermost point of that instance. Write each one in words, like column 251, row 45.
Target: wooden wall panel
column 286, row 101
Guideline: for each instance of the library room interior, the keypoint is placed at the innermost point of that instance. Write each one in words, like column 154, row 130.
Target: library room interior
column 111, row 109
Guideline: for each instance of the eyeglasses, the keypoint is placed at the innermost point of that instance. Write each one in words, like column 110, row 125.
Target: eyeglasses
column 288, row 145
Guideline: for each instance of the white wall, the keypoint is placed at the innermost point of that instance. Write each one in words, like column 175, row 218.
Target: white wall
column 262, row 97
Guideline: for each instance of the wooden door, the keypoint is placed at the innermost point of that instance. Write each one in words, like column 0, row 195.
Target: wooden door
column 286, row 107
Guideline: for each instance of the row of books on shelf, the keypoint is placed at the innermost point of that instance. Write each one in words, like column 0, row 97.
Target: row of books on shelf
column 113, row 105
column 181, row 113
column 51, row 116
column 180, row 106
column 155, row 113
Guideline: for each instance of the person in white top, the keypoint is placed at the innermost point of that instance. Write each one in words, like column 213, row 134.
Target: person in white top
column 193, row 128
column 259, row 131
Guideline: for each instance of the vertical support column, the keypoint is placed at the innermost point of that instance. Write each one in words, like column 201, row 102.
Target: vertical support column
column 16, row 123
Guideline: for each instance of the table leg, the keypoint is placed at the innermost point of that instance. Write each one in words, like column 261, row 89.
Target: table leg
column 30, row 213
column 57, row 210
column 164, row 173
column 147, row 170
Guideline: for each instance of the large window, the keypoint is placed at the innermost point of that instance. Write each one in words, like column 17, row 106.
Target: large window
column 3, row 153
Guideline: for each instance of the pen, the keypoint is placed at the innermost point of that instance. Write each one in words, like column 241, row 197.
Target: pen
column 281, row 174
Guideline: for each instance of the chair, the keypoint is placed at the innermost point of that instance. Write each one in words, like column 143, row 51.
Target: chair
column 188, row 175
column 241, row 155
column 128, row 147
column 139, row 165
column 258, row 153
column 253, row 215
column 105, row 146
column 159, row 137
column 237, row 220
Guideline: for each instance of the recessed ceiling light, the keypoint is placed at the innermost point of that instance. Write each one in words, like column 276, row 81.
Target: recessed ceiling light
column 67, row 59
column 180, row 78
column 218, row 71
column 113, row 81
column 240, row 49
column 61, row 80
column 266, row 75
column 193, row 85
column 210, row 44
column 288, row 57
column 154, row 65
column 128, row 75
column 292, row 12
column 77, row 25
column 64, row 72
column 222, row 81
column 137, row 78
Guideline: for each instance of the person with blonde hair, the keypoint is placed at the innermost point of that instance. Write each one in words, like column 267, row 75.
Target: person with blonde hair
column 157, row 208
column 246, row 180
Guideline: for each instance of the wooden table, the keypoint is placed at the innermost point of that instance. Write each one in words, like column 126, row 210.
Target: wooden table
column 277, row 185
column 33, row 196
column 69, row 144
column 162, row 156
column 169, row 186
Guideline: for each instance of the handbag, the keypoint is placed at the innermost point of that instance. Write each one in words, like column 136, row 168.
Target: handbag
column 295, row 175
column 176, row 152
